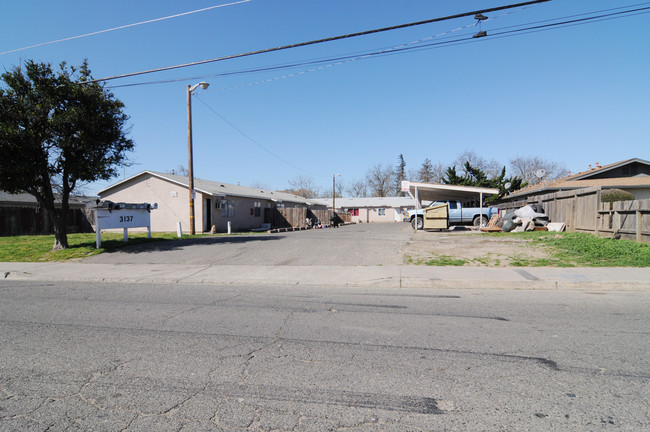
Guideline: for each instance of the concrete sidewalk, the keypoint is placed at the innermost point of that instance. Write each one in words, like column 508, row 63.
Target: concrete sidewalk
column 402, row 276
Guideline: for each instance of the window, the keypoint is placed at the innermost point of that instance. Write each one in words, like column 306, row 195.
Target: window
column 227, row 208
column 258, row 209
column 382, row 212
column 354, row 212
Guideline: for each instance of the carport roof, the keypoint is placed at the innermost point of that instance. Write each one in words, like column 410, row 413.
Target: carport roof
column 441, row 192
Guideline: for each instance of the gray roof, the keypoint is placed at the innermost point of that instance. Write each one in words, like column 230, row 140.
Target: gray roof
column 380, row 202
column 27, row 200
column 216, row 188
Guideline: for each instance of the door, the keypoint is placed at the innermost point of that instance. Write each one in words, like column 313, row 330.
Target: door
column 208, row 215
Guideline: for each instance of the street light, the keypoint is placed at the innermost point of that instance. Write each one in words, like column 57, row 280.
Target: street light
column 204, row 85
column 334, row 192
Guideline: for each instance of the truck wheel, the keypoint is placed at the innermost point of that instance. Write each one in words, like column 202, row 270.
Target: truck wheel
column 477, row 221
column 417, row 223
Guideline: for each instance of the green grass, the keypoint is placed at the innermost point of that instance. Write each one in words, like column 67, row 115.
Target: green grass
column 39, row 247
column 445, row 260
column 581, row 249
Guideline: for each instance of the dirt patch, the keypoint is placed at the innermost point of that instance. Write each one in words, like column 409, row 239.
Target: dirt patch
column 471, row 248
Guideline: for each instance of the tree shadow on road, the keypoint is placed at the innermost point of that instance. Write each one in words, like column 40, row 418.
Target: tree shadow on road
column 172, row 245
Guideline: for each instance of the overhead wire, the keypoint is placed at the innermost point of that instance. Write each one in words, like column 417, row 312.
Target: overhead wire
column 411, row 46
column 318, row 41
column 124, row 26
column 248, row 137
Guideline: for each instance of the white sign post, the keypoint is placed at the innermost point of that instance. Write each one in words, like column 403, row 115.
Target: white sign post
column 122, row 215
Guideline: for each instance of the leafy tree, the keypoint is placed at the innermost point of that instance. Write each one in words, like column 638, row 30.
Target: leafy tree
column 57, row 132
column 478, row 178
column 491, row 167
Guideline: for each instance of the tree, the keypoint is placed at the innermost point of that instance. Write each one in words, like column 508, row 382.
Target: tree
column 492, row 168
column 425, row 174
column 378, row 179
column 57, row 132
column 180, row 170
column 527, row 167
column 304, row 186
column 478, row 178
column 399, row 174
column 358, row 189
column 429, row 172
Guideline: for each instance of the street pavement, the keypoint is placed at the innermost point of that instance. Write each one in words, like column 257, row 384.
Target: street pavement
column 319, row 330
column 78, row 356
column 357, row 255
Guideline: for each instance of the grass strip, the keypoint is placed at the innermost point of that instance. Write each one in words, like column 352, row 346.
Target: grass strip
column 38, row 248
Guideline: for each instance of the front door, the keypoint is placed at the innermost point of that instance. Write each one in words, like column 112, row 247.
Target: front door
column 208, row 215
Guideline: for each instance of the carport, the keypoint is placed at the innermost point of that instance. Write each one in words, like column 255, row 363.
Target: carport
column 441, row 192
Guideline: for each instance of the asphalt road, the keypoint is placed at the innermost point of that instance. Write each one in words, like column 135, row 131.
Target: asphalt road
column 195, row 358
column 360, row 244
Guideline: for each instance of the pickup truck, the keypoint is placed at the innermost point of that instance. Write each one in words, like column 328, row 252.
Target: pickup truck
column 457, row 214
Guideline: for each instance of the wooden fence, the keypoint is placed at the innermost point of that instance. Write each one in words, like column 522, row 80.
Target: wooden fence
column 33, row 220
column 582, row 211
column 297, row 217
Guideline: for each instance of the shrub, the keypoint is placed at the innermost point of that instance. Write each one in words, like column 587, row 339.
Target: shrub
column 614, row 195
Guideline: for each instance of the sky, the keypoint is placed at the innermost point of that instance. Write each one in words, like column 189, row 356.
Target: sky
column 575, row 95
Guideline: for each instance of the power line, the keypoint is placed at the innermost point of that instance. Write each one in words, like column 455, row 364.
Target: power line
column 411, row 46
column 125, row 26
column 319, row 41
column 249, row 138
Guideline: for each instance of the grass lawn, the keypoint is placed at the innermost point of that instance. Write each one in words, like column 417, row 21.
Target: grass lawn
column 583, row 250
column 39, row 247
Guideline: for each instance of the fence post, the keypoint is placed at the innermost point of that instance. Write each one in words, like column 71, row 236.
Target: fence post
column 597, row 214
column 639, row 226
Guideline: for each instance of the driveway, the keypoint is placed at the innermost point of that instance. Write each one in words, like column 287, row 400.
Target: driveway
column 351, row 245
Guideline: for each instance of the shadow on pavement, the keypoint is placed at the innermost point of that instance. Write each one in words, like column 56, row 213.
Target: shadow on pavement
column 171, row 245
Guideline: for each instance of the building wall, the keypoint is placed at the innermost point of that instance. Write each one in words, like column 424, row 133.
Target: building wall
column 639, row 193
column 243, row 213
column 372, row 215
column 240, row 212
column 172, row 199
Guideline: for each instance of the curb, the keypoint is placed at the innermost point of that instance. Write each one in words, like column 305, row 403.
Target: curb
column 533, row 278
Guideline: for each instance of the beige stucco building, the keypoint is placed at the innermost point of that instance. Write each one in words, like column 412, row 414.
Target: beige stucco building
column 372, row 209
column 215, row 203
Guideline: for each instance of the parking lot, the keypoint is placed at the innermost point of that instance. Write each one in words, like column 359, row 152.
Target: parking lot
column 351, row 245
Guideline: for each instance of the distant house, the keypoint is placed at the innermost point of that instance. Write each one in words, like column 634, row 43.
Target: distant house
column 215, row 203
column 20, row 214
column 631, row 175
column 372, row 209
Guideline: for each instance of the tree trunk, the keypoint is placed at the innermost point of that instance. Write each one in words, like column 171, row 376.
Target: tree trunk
column 60, row 233
column 60, row 230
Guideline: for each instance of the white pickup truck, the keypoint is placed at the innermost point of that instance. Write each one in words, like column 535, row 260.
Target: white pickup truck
column 457, row 214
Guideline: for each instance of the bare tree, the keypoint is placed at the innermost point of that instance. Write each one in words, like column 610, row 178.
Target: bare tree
column 260, row 185
column 304, row 186
column 179, row 170
column 491, row 167
column 378, row 179
column 426, row 173
column 527, row 167
column 340, row 187
column 358, row 189
column 399, row 175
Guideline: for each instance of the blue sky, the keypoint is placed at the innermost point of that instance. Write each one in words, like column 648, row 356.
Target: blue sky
column 575, row 95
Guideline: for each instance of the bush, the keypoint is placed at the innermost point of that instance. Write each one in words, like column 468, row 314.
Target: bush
column 614, row 195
